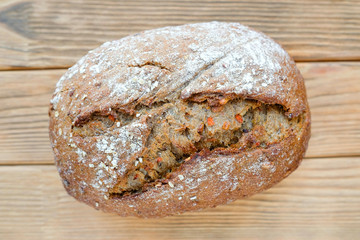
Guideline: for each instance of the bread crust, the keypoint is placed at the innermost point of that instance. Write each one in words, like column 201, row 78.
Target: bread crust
column 205, row 62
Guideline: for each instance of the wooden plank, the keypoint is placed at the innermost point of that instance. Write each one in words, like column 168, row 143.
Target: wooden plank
column 24, row 100
column 318, row 201
column 334, row 97
column 333, row 90
column 55, row 33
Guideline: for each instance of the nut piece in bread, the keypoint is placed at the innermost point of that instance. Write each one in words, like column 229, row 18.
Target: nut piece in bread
column 179, row 119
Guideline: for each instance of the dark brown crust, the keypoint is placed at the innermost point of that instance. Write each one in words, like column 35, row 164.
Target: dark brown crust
column 285, row 157
column 207, row 179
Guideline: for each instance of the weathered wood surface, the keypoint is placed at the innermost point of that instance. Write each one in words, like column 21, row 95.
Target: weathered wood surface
column 55, row 33
column 333, row 90
column 319, row 201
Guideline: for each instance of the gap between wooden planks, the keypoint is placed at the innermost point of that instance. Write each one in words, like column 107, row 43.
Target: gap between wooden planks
column 321, row 202
column 333, row 90
column 55, row 33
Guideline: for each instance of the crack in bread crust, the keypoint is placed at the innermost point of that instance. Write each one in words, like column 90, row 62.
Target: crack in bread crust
column 151, row 63
column 183, row 129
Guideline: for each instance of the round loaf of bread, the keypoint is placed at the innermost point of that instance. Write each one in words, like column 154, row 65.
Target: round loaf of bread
column 178, row 119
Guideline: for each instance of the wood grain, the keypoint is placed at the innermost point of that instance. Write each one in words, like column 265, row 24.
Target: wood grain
column 319, row 201
column 334, row 96
column 333, row 90
column 55, row 33
column 24, row 100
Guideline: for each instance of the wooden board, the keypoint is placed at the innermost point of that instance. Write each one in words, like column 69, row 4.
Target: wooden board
column 55, row 33
column 333, row 89
column 334, row 96
column 319, row 201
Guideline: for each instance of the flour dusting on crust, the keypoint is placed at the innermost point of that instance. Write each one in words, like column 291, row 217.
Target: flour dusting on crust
column 131, row 68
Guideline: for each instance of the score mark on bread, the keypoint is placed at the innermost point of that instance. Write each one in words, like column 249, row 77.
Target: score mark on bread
column 178, row 119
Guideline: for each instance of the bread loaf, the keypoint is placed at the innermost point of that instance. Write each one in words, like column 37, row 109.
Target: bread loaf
column 178, row 119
